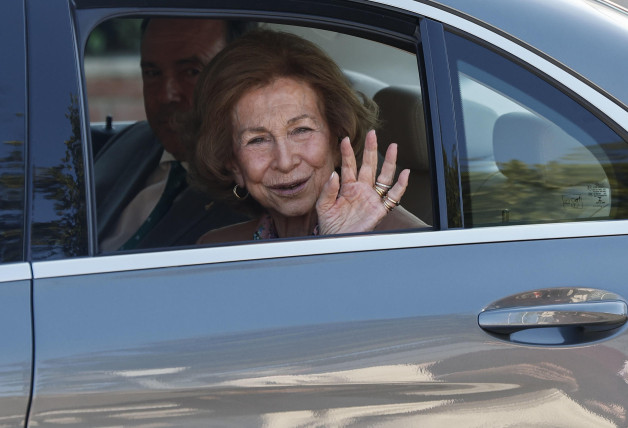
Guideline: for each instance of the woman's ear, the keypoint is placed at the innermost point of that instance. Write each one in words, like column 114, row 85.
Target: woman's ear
column 236, row 173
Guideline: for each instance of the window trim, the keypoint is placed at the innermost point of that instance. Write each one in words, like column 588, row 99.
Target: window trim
column 11, row 272
column 278, row 249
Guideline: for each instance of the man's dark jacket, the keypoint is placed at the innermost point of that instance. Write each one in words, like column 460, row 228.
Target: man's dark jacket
column 122, row 167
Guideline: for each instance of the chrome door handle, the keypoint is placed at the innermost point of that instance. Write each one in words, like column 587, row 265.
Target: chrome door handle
column 555, row 316
column 598, row 315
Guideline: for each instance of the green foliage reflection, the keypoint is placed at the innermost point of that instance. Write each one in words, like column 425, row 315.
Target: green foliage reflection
column 518, row 193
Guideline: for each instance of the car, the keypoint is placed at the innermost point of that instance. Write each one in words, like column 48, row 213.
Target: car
column 510, row 310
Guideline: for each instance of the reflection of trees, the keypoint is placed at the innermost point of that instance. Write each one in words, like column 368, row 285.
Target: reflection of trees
column 578, row 186
column 11, row 200
column 63, row 184
column 452, row 184
column 539, row 193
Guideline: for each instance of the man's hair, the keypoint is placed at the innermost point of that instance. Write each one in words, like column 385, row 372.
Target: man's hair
column 253, row 61
column 235, row 29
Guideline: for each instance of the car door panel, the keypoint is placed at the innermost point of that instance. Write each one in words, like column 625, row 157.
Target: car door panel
column 358, row 338
column 16, row 344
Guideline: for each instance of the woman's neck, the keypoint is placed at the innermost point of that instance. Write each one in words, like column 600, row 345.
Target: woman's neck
column 288, row 227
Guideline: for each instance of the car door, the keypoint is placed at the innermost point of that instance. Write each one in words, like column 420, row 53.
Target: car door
column 374, row 329
column 15, row 273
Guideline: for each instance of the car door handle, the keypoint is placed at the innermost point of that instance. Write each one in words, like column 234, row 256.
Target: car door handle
column 594, row 316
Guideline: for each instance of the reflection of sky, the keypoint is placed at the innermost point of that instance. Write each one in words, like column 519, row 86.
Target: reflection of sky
column 337, row 375
column 545, row 409
column 460, row 384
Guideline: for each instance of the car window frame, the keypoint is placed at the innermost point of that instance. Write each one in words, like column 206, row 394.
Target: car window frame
column 87, row 18
column 587, row 95
column 432, row 21
column 569, row 96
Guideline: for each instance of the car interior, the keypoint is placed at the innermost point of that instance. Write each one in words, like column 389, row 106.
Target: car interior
column 398, row 96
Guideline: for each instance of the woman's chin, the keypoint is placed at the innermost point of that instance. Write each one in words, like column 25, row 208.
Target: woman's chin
column 295, row 209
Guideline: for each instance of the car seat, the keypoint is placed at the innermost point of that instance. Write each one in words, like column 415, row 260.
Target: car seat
column 403, row 122
column 544, row 175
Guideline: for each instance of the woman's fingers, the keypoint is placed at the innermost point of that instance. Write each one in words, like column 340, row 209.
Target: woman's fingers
column 385, row 186
column 387, row 174
column 329, row 193
column 348, row 171
column 369, row 159
column 394, row 195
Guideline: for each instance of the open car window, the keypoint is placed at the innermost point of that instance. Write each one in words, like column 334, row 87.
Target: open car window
column 116, row 108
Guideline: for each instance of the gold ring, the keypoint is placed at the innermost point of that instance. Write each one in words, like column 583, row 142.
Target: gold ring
column 385, row 186
column 380, row 190
column 391, row 200
column 389, row 207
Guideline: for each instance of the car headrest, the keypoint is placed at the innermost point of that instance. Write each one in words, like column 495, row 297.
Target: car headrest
column 363, row 83
column 554, row 175
column 528, row 147
column 479, row 121
column 403, row 122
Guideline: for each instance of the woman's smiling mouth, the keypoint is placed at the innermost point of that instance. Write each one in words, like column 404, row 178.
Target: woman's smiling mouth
column 290, row 189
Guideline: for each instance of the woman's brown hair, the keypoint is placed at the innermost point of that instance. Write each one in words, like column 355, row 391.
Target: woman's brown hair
column 253, row 61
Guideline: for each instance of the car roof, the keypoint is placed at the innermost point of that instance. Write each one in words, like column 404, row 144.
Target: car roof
column 590, row 37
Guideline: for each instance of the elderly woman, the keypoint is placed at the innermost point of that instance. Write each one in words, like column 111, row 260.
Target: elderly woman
column 277, row 128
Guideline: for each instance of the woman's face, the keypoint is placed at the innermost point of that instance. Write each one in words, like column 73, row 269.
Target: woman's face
column 283, row 154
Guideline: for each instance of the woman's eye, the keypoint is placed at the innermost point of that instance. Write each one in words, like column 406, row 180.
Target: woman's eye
column 256, row 140
column 301, row 130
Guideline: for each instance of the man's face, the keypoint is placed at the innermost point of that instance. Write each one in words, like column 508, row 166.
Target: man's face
column 174, row 51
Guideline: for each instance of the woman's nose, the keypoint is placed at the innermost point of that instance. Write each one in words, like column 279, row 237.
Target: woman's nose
column 286, row 157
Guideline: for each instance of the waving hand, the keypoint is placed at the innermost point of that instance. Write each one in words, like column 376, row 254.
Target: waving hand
column 357, row 201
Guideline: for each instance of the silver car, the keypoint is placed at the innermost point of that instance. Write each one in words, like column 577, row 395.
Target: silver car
column 510, row 310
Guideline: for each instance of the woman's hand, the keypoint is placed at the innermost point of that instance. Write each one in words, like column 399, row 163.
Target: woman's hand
column 357, row 202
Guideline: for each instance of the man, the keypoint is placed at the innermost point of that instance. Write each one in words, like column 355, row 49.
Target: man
column 142, row 198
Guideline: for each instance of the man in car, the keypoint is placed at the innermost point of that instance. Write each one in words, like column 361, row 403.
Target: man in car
column 143, row 200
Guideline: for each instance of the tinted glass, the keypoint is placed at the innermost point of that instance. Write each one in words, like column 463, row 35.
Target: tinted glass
column 531, row 154
column 59, row 219
column 12, row 115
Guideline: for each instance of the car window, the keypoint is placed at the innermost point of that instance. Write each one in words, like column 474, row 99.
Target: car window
column 113, row 78
column 116, row 110
column 12, row 130
column 529, row 152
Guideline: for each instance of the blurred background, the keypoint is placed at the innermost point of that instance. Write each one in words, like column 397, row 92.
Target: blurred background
column 112, row 70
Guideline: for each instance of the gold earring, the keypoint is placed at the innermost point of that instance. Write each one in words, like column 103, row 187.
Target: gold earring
column 235, row 192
